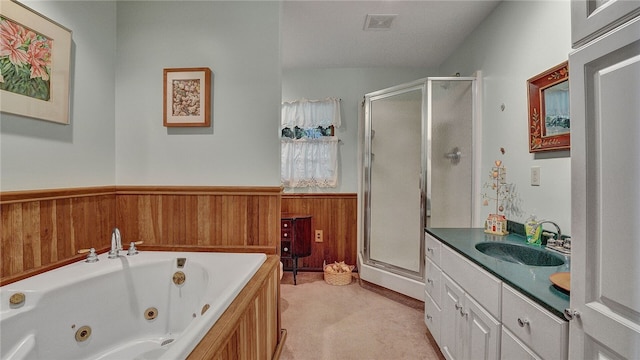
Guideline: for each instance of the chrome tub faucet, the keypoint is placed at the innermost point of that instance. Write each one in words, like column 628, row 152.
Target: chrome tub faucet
column 116, row 244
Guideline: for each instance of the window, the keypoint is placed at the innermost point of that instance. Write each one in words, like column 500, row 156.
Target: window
column 309, row 147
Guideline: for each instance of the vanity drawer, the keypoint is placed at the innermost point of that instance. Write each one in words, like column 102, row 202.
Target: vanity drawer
column 432, row 317
column 512, row 348
column 546, row 334
column 433, row 281
column 477, row 282
column 432, row 249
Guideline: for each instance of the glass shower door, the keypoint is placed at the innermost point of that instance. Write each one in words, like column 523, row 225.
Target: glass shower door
column 394, row 170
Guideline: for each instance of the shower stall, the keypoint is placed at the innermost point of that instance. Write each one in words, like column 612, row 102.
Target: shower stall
column 418, row 169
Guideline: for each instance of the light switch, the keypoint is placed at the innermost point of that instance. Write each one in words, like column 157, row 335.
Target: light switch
column 535, row 176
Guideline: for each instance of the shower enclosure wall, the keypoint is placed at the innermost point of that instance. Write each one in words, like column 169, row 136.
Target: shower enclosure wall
column 418, row 157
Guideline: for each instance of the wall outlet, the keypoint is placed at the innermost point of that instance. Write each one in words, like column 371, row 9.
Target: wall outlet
column 318, row 235
column 535, row 176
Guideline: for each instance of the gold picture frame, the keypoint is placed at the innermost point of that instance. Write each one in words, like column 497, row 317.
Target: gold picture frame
column 187, row 97
column 34, row 71
column 549, row 120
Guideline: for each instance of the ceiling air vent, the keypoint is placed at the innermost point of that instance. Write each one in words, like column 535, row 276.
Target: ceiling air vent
column 375, row 22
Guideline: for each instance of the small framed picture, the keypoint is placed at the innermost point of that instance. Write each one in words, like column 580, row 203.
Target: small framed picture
column 187, row 97
column 549, row 120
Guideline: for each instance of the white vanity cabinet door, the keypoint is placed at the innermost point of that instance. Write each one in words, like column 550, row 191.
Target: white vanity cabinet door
column 543, row 332
column 467, row 330
column 512, row 348
column 482, row 332
column 590, row 19
column 432, row 317
column 452, row 327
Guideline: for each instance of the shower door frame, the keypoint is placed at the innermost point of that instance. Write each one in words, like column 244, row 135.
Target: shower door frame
column 367, row 160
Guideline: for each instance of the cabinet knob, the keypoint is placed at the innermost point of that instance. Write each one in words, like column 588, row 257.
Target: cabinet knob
column 429, row 317
column 464, row 313
column 429, row 281
column 430, row 249
column 458, row 306
column 285, row 249
column 285, row 225
column 285, row 235
column 523, row 322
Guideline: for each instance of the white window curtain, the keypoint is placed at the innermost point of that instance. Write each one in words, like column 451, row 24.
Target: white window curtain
column 309, row 162
column 311, row 113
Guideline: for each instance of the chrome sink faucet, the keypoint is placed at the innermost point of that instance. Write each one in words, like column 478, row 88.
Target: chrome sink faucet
column 559, row 236
column 116, row 244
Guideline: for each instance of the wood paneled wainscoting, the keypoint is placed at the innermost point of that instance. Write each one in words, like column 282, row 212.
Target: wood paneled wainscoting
column 243, row 218
column 336, row 216
column 44, row 229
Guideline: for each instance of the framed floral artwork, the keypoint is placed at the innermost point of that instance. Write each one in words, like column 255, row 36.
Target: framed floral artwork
column 35, row 57
column 187, row 97
column 549, row 120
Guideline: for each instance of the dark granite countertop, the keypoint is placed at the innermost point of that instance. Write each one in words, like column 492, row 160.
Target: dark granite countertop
column 532, row 281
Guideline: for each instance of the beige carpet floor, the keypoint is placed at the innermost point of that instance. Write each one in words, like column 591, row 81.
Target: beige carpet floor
column 350, row 322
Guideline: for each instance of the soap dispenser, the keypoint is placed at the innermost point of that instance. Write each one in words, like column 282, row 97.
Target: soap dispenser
column 533, row 230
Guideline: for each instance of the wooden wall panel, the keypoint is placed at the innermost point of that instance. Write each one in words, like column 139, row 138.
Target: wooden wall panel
column 46, row 227
column 246, row 217
column 336, row 216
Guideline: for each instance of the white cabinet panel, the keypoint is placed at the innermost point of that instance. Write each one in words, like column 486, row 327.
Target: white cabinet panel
column 468, row 331
column 432, row 317
column 543, row 332
column 605, row 122
column 452, row 329
column 433, row 249
column 483, row 332
column 590, row 18
column 433, row 281
column 477, row 282
column 512, row 348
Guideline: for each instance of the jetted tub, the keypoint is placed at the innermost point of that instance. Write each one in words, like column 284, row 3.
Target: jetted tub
column 125, row 308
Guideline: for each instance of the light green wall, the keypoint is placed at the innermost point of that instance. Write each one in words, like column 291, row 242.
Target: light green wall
column 240, row 42
column 37, row 154
column 116, row 134
column 519, row 40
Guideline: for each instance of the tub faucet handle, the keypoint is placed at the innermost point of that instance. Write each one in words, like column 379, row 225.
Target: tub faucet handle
column 133, row 250
column 92, row 256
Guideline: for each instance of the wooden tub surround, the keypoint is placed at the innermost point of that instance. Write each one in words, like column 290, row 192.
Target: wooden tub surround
column 250, row 327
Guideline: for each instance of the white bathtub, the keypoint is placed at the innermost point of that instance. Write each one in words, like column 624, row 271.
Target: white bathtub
column 116, row 298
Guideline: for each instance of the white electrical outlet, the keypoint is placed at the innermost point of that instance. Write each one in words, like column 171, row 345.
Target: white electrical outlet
column 535, row 176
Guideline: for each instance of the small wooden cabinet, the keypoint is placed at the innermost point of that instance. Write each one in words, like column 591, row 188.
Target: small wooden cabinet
column 295, row 238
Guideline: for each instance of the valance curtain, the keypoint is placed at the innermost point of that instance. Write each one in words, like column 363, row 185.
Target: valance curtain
column 311, row 113
column 310, row 161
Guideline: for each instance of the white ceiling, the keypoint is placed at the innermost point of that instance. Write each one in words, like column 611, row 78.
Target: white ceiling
column 330, row 33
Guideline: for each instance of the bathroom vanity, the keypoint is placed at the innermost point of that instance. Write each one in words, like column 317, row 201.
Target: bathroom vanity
column 480, row 307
